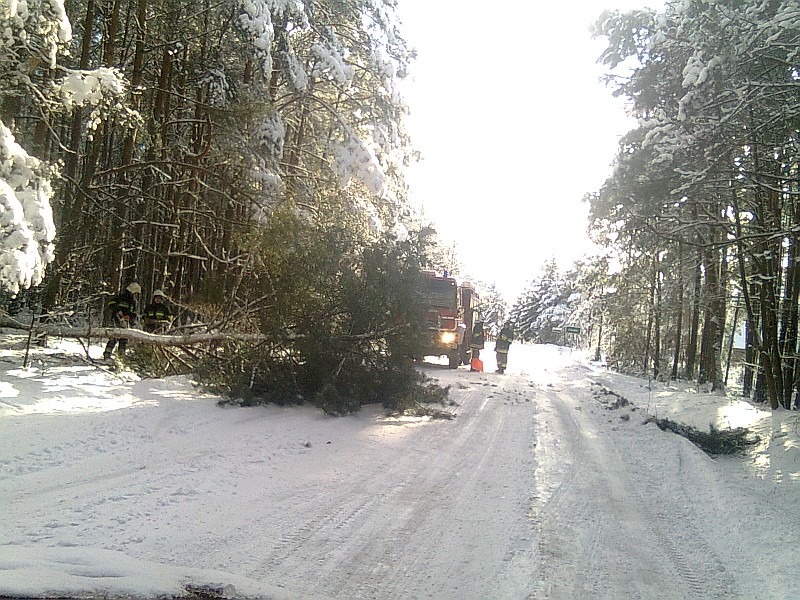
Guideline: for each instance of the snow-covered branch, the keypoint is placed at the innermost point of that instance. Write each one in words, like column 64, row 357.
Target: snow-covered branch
column 26, row 219
column 68, row 331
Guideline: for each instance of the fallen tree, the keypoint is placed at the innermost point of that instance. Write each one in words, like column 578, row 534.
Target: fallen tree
column 178, row 339
column 105, row 333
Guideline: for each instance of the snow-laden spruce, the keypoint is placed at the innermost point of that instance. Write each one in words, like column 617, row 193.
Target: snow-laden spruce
column 32, row 34
column 326, row 62
column 352, row 159
column 26, row 219
column 256, row 19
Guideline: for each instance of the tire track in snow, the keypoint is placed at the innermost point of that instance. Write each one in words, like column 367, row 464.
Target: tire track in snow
column 632, row 552
column 428, row 497
column 562, row 469
column 416, row 526
column 491, row 439
column 696, row 562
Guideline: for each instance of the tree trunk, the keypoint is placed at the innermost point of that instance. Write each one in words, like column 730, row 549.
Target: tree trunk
column 599, row 337
column 121, row 260
column 657, row 320
column 691, row 347
column 679, row 317
column 649, row 328
column 789, row 311
column 711, row 343
column 750, row 356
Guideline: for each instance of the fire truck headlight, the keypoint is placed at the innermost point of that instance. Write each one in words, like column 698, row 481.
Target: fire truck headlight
column 448, row 337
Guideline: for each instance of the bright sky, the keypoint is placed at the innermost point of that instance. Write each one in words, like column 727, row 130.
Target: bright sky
column 514, row 128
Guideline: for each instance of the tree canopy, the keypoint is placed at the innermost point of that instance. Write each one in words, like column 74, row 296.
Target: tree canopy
column 244, row 156
column 699, row 218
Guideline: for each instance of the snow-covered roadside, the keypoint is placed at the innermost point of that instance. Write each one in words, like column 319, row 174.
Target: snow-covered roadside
column 775, row 457
column 140, row 487
column 625, row 510
column 85, row 452
column 724, row 522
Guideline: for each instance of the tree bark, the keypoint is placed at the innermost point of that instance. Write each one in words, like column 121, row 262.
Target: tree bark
column 679, row 317
column 657, row 319
column 691, row 347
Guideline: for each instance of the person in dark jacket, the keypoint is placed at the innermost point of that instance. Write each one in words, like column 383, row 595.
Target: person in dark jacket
column 476, row 340
column 123, row 315
column 501, row 346
column 156, row 316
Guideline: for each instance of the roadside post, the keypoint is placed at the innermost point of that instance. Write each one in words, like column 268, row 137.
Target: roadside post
column 571, row 329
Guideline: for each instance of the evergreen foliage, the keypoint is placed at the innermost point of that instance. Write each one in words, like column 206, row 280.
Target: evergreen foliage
column 700, row 212
column 343, row 325
column 492, row 307
column 714, row 441
column 36, row 89
column 255, row 175
column 545, row 307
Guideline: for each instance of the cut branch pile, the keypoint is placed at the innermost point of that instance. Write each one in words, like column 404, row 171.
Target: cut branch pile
column 714, row 441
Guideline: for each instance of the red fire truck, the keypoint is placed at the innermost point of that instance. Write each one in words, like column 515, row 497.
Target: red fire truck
column 451, row 310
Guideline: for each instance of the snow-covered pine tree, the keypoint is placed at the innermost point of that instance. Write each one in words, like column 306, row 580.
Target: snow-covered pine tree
column 712, row 162
column 545, row 307
column 34, row 86
column 493, row 308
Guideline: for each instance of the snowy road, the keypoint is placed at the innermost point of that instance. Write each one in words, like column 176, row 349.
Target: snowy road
column 443, row 515
column 537, row 489
column 613, row 523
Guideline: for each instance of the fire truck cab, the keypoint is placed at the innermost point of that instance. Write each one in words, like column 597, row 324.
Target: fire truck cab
column 450, row 311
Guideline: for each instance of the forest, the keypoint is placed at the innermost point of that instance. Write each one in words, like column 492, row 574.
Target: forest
column 247, row 157
column 700, row 218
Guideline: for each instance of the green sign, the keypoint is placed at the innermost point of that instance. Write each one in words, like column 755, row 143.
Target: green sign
column 573, row 329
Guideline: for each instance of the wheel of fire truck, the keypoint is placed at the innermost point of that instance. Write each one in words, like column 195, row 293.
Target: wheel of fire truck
column 454, row 359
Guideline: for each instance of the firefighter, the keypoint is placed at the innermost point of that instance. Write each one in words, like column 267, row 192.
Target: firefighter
column 501, row 346
column 156, row 316
column 476, row 341
column 123, row 315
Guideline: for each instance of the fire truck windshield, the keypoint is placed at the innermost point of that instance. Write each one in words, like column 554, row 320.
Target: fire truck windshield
column 441, row 293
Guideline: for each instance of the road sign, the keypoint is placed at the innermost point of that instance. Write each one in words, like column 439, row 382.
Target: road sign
column 573, row 329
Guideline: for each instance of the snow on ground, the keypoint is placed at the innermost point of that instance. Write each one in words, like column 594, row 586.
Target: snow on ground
column 119, row 486
column 775, row 457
